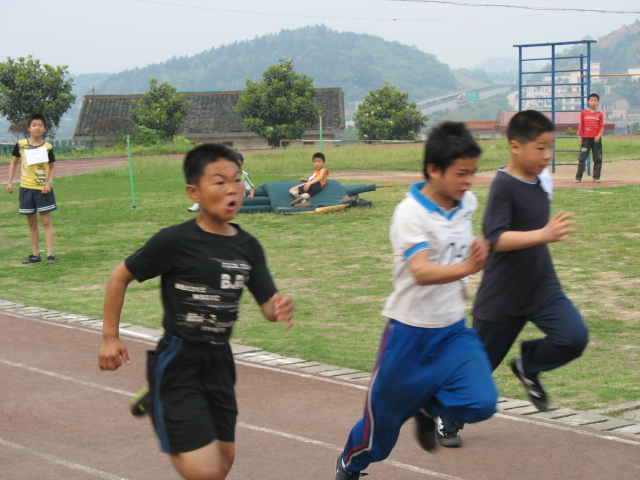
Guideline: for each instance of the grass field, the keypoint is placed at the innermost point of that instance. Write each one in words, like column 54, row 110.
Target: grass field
column 337, row 267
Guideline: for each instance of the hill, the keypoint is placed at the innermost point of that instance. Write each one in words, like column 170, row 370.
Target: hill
column 356, row 62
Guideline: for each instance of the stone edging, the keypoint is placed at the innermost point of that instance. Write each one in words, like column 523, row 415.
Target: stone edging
column 627, row 422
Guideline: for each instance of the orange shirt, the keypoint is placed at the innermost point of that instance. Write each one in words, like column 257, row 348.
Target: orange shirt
column 316, row 173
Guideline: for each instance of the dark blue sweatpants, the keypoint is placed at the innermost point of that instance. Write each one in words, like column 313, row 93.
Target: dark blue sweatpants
column 566, row 338
column 443, row 370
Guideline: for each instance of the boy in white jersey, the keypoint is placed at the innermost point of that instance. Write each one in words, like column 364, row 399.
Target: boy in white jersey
column 428, row 361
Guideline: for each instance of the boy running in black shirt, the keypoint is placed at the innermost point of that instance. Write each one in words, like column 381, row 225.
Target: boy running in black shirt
column 520, row 284
column 204, row 264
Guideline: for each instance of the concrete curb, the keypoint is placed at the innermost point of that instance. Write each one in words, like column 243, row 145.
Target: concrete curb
column 626, row 421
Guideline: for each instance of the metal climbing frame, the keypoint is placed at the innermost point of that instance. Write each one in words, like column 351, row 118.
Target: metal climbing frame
column 554, row 93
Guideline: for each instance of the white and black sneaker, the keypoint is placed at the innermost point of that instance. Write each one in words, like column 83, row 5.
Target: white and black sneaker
column 534, row 388
column 344, row 474
column 194, row 208
column 446, row 438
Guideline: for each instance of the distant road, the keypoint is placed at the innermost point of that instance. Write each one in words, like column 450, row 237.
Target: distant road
column 448, row 102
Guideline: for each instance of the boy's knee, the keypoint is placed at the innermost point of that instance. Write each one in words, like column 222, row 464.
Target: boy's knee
column 577, row 343
column 480, row 413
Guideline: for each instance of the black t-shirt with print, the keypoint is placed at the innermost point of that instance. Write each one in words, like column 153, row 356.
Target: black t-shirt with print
column 203, row 275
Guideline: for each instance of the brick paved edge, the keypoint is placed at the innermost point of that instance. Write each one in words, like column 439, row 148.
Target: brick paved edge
column 623, row 418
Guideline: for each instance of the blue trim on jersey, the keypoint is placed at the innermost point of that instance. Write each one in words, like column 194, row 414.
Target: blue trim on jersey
column 415, row 249
column 431, row 206
column 158, row 412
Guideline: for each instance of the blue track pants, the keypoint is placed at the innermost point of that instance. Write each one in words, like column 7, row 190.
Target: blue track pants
column 443, row 370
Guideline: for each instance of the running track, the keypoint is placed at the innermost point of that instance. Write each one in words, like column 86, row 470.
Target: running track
column 61, row 418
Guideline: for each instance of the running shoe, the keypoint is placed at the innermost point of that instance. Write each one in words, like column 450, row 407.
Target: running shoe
column 32, row 259
column 344, row 474
column 532, row 384
column 139, row 404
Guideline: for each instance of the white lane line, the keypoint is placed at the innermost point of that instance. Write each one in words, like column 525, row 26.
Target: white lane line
column 566, row 428
column 60, row 461
column 64, row 377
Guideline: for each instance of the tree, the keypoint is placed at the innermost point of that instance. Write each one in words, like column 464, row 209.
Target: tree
column 161, row 109
column 27, row 87
column 280, row 106
column 20, row 129
column 385, row 114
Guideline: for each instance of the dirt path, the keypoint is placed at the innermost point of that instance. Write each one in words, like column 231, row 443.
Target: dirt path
column 624, row 172
column 614, row 174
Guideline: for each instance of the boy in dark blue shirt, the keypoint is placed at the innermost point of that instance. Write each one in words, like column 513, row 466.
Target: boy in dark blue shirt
column 520, row 284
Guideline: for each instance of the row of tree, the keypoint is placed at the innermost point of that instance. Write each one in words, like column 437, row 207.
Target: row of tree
column 278, row 107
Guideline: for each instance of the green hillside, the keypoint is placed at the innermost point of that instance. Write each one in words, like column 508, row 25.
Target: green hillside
column 356, row 62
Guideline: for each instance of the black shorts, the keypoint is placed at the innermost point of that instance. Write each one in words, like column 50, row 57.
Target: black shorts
column 193, row 401
column 32, row 200
column 314, row 189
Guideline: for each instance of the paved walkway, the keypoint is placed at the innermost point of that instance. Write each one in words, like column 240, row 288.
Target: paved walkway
column 62, row 418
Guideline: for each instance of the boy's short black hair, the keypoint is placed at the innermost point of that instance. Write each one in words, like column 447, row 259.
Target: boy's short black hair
column 446, row 143
column 594, row 95
column 318, row 155
column 528, row 125
column 240, row 157
column 197, row 159
column 37, row 116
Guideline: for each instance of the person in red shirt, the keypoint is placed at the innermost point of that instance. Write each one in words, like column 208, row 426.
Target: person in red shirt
column 590, row 131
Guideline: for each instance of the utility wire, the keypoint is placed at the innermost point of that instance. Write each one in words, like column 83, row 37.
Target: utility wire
column 522, row 7
column 293, row 15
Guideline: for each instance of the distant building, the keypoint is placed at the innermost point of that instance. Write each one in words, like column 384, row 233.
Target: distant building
column 567, row 90
column 614, row 106
column 210, row 118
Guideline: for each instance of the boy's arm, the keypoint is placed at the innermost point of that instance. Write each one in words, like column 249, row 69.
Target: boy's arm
column 600, row 127
column 12, row 172
column 52, row 171
column 317, row 178
column 112, row 351
column 431, row 273
column 278, row 308
column 323, row 173
column 557, row 230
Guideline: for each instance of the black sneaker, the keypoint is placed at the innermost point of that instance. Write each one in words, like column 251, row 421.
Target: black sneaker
column 426, row 430
column 32, row 259
column 51, row 259
column 139, row 404
column 447, row 438
column 534, row 388
column 344, row 474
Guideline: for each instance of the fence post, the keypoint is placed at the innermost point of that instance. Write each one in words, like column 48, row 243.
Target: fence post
column 133, row 190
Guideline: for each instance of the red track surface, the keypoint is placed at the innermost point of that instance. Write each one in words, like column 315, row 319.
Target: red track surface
column 61, row 418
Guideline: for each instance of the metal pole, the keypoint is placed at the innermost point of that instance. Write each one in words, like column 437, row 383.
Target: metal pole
column 133, row 190
column 520, row 89
column 320, row 133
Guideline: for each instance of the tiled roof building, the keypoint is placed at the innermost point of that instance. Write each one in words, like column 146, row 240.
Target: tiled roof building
column 210, row 117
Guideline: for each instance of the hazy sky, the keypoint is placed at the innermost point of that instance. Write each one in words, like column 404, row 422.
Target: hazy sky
column 96, row 36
